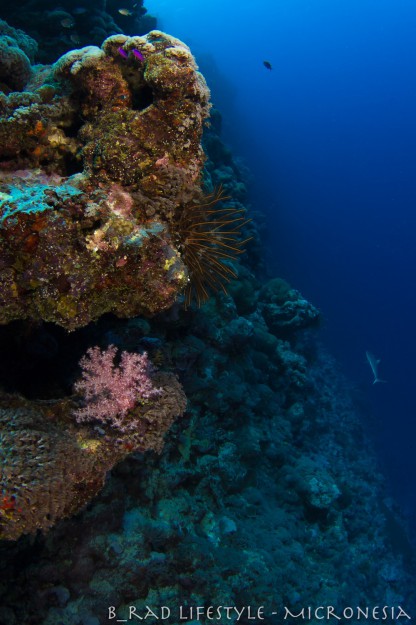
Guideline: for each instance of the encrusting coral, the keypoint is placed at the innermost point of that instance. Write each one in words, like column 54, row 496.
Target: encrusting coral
column 69, row 257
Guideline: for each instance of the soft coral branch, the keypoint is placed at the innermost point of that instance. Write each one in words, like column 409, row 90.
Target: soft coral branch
column 111, row 391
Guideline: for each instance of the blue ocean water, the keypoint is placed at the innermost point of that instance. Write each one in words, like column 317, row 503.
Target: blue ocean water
column 329, row 136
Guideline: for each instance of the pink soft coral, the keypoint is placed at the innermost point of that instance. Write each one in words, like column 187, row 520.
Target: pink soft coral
column 111, row 391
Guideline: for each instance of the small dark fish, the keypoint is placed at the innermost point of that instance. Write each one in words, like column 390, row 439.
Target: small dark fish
column 123, row 53
column 267, row 64
column 75, row 38
column 79, row 11
column 138, row 54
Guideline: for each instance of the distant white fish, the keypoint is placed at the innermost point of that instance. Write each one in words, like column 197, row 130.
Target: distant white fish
column 374, row 362
column 125, row 12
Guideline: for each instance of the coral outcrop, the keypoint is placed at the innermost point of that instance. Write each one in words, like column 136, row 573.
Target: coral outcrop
column 284, row 309
column 96, row 156
column 17, row 50
column 51, row 466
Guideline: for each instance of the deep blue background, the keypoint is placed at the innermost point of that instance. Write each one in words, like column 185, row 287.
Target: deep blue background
column 330, row 137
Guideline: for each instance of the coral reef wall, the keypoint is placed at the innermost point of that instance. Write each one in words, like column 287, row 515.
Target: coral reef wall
column 266, row 491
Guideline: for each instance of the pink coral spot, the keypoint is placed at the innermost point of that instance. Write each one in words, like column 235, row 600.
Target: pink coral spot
column 111, row 391
column 163, row 161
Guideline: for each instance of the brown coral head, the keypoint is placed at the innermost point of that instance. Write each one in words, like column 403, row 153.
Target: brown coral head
column 210, row 236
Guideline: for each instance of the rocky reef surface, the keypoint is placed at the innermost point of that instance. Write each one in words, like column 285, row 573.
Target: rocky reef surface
column 265, row 491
